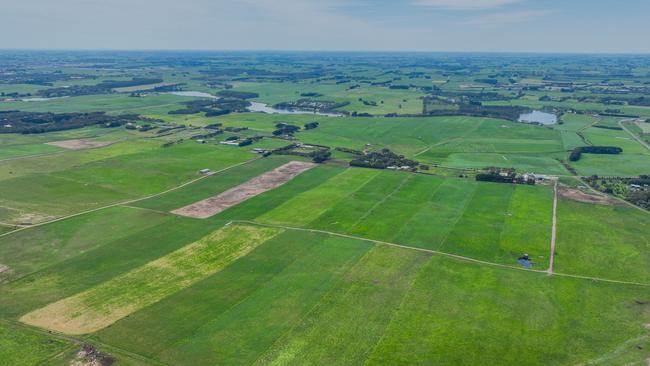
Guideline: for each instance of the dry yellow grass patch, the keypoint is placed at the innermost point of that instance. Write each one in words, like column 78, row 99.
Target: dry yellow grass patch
column 80, row 144
column 106, row 303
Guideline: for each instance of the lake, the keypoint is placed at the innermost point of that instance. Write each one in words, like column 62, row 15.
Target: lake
column 194, row 94
column 265, row 108
column 255, row 106
column 539, row 117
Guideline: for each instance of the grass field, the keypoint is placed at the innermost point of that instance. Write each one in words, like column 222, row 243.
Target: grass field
column 43, row 188
column 461, row 142
column 480, row 220
column 27, row 347
column 340, row 265
column 110, row 301
column 599, row 240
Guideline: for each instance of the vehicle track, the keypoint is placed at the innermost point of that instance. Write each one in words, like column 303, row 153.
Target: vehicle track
column 551, row 259
column 637, row 138
column 128, row 202
column 436, row 252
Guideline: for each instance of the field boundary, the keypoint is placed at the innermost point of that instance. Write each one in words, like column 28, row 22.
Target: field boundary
column 255, row 186
column 77, row 341
column 437, row 252
column 122, row 203
column 637, row 138
column 551, row 259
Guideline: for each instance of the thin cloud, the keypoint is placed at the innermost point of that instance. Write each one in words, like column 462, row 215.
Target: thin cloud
column 506, row 18
column 466, row 4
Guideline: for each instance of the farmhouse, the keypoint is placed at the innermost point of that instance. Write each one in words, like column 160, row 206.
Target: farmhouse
column 204, row 171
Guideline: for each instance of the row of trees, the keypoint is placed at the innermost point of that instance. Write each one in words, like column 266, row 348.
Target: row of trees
column 38, row 122
column 501, row 175
column 576, row 154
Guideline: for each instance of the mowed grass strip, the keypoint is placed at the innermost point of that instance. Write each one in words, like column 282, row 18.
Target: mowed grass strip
column 477, row 233
column 350, row 320
column 108, row 302
column 343, row 216
column 307, row 206
column 385, row 219
column 242, row 333
column 90, row 266
column 152, row 330
column 431, row 224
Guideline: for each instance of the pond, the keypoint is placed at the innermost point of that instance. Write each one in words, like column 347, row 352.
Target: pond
column 538, row 117
column 194, row 94
column 35, row 99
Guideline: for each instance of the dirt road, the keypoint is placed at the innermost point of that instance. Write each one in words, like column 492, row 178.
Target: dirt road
column 637, row 138
column 551, row 260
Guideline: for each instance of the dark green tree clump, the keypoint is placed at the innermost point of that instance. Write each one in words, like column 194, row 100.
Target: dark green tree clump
column 384, row 159
column 501, row 175
column 311, row 125
column 576, row 154
column 38, row 122
column 283, row 129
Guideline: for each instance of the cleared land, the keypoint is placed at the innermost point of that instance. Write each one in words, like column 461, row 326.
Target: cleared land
column 260, row 184
column 80, row 144
column 101, row 306
column 580, row 196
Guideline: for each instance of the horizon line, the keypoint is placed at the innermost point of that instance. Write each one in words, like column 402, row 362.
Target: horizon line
column 242, row 50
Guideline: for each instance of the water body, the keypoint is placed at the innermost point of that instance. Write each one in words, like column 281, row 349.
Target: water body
column 526, row 263
column 540, row 117
column 39, row 99
column 194, row 94
column 255, row 106
column 265, row 108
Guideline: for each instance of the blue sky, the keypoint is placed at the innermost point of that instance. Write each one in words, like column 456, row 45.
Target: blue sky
column 356, row 25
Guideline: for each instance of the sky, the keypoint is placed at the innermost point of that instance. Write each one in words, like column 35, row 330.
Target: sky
column 569, row 26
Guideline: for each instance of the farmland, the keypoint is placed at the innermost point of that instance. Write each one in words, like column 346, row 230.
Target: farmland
column 197, row 232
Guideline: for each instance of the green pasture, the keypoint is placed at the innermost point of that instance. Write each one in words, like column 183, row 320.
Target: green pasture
column 487, row 221
column 603, row 241
column 90, row 249
column 26, row 347
column 86, row 180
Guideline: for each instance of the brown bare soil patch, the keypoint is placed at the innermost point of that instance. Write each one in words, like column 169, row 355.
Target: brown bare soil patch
column 260, row 184
column 80, row 144
column 577, row 195
column 89, row 356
